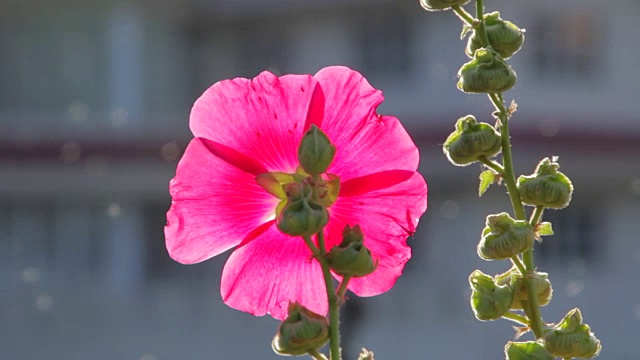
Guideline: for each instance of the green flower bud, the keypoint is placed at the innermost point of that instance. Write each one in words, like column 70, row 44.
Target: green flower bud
column 302, row 331
column 435, row 5
column 471, row 140
column 301, row 214
column 487, row 72
column 504, row 37
column 571, row 338
column 516, row 281
column 547, row 187
column 489, row 300
column 504, row 237
column 351, row 257
column 529, row 350
column 315, row 152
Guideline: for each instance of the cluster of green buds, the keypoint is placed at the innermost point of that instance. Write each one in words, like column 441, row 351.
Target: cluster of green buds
column 305, row 195
column 517, row 293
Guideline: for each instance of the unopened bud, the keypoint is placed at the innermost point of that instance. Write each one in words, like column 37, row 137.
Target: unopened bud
column 435, row 5
column 547, row 187
column 504, row 37
column 315, row 152
column 513, row 278
column 571, row 338
column 351, row 257
column 489, row 300
column 301, row 215
column 470, row 141
column 504, row 237
column 365, row 355
column 301, row 332
column 487, row 72
column 529, row 350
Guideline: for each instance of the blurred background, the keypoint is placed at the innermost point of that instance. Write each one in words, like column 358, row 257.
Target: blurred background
column 94, row 104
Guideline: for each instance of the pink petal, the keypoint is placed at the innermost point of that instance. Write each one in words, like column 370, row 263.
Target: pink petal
column 215, row 205
column 387, row 217
column 366, row 142
column 264, row 275
column 263, row 118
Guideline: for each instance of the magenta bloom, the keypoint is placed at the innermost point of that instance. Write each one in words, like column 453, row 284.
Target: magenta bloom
column 244, row 128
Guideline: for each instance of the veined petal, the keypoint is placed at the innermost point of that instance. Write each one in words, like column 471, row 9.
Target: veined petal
column 387, row 217
column 270, row 271
column 215, row 205
column 262, row 118
column 366, row 142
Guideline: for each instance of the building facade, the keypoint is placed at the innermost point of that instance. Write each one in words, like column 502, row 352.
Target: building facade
column 94, row 105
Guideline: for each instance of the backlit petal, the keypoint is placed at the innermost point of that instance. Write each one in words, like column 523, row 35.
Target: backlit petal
column 264, row 275
column 215, row 205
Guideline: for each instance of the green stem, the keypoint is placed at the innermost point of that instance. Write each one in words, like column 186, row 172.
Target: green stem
column 463, row 14
column 516, row 317
column 536, row 216
column 334, row 319
column 518, row 263
column 480, row 28
column 510, row 180
column 492, row 164
column 317, row 355
column 342, row 289
column 509, row 177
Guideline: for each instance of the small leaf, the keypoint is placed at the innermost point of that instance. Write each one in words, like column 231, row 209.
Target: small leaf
column 544, row 229
column 465, row 30
column 487, row 178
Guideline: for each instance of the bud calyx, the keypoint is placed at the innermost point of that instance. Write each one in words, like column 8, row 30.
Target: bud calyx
column 435, row 5
column 351, row 257
column 301, row 332
column 504, row 237
column 504, row 37
column 487, row 72
column 489, row 300
column 470, row 141
column 571, row 338
column 315, row 152
column 546, row 187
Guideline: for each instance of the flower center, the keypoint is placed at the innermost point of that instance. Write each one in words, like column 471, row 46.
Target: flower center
column 322, row 190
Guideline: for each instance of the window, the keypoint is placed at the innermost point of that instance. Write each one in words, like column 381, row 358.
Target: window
column 566, row 45
column 577, row 236
column 262, row 46
column 385, row 43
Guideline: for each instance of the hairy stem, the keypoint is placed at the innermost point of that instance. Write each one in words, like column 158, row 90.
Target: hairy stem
column 317, row 355
column 334, row 319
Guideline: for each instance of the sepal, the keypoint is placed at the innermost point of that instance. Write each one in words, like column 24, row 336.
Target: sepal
column 315, row 152
column 529, row 350
column 571, row 338
column 301, row 332
column 487, row 72
column 489, row 300
column 351, row 257
column 471, row 140
column 436, row 5
column 504, row 237
column 546, row 187
column 504, row 37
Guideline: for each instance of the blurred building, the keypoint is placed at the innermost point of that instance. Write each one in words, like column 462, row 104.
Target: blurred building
column 94, row 104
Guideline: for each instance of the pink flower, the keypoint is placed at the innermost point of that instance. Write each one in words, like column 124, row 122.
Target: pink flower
column 245, row 127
